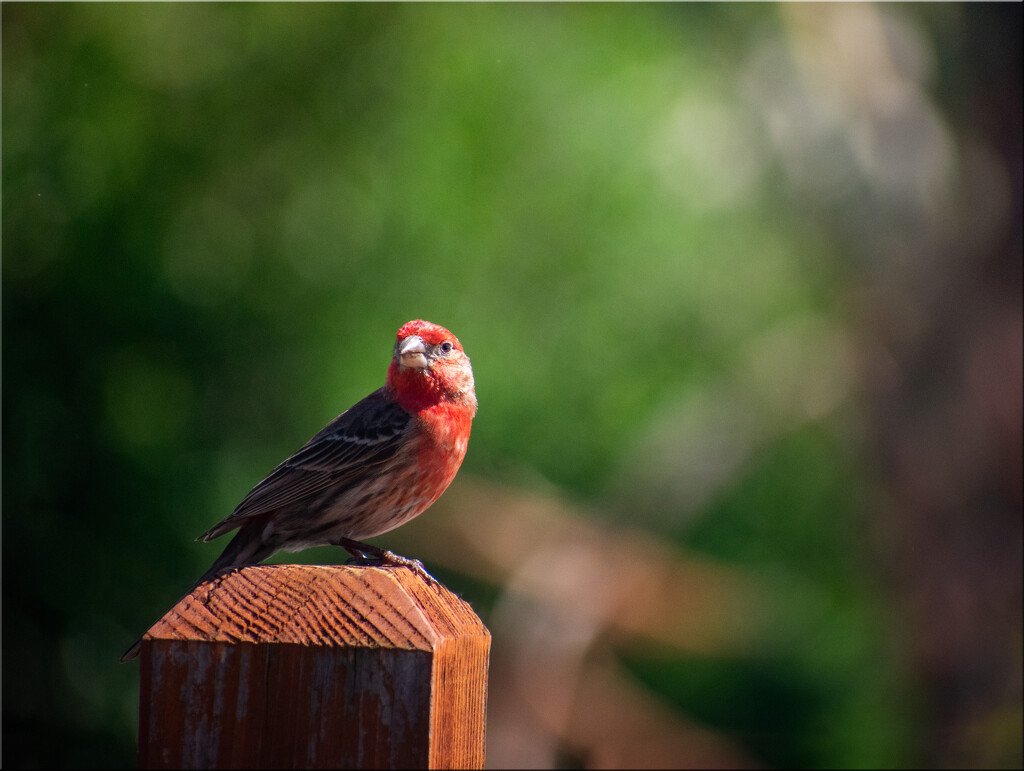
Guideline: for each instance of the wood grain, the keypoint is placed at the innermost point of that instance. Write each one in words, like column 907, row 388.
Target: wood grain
column 297, row 666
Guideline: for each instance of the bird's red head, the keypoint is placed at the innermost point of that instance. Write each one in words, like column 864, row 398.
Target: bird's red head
column 429, row 368
column 433, row 334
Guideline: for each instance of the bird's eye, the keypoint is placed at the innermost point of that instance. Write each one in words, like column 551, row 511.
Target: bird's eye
column 445, row 347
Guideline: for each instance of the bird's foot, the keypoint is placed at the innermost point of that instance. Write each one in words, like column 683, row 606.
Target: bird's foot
column 366, row 554
column 390, row 558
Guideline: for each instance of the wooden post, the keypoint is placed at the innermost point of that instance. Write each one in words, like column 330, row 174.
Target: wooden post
column 302, row 666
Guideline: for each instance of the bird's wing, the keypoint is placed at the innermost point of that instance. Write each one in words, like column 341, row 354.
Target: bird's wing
column 343, row 452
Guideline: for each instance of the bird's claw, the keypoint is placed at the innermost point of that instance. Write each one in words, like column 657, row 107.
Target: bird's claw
column 390, row 558
column 367, row 554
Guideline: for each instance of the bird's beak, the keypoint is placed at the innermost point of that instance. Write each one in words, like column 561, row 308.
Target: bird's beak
column 412, row 352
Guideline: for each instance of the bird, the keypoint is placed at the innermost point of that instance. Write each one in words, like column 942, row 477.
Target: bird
column 376, row 466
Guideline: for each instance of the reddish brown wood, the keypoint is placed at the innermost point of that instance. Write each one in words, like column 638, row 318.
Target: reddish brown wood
column 301, row 666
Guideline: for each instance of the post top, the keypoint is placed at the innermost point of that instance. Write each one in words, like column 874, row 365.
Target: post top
column 325, row 605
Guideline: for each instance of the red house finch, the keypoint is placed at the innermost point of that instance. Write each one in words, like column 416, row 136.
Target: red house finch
column 374, row 467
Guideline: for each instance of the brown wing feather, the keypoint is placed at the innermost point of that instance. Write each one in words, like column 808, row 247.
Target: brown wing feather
column 367, row 434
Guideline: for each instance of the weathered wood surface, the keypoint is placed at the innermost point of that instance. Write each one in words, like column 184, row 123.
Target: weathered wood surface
column 301, row 666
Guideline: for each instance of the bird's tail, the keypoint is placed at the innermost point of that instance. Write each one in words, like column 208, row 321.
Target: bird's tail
column 246, row 548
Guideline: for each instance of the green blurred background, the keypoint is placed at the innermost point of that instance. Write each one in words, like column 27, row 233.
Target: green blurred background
column 745, row 279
